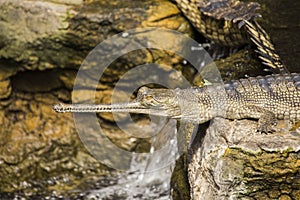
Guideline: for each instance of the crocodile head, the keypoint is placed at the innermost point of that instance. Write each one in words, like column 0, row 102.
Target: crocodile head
column 192, row 105
column 161, row 102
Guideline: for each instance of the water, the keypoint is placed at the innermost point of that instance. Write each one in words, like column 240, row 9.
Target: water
column 150, row 174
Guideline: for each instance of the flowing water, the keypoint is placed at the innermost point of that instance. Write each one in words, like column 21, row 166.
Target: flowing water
column 150, row 174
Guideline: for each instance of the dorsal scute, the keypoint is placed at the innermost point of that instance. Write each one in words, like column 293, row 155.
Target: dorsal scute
column 268, row 84
column 265, row 48
column 231, row 10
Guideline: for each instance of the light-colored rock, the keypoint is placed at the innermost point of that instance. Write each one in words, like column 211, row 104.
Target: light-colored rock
column 234, row 161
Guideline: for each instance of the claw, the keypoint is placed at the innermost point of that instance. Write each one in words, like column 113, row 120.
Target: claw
column 265, row 129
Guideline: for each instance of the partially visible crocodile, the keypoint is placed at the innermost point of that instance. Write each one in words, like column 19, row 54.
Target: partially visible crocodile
column 265, row 98
column 220, row 20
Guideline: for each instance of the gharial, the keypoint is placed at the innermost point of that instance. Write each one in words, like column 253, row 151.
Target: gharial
column 266, row 98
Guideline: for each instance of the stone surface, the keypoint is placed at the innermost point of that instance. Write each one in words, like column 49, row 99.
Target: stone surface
column 42, row 35
column 5, row 89
column 234, row 161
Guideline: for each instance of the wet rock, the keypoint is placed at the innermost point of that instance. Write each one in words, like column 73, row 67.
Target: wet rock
column 234, row 161
column 38, row 144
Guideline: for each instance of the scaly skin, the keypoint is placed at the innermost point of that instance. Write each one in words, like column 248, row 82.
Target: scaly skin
column 220, row 21
column 264, row 98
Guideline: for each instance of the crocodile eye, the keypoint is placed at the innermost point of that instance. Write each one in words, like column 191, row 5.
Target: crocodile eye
column 148, row 97
column 143, row 90
column 147, row 100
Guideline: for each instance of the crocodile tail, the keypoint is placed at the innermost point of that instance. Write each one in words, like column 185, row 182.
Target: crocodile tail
column 265, row 47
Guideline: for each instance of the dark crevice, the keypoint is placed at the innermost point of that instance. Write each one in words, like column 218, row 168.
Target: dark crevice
column 39, row 81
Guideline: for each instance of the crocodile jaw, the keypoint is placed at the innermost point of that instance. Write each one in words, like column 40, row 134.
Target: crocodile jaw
column 132, row 107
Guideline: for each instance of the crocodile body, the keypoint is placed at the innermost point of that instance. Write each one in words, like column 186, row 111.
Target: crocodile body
column 265, row 98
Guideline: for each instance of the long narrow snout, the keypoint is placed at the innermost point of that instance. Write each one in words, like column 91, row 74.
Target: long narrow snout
column 94, row 108
column 132, row 107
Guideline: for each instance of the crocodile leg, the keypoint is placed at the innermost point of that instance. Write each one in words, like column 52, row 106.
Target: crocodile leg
column 266, row 119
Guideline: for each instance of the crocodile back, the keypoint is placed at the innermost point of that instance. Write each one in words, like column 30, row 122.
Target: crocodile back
column 279, row 94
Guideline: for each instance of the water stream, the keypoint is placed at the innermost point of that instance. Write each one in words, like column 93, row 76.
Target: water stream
column 150, row 174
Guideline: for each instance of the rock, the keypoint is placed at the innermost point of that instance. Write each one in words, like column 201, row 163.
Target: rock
column 234, row 161
column 42, row 35
column 5, row 89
